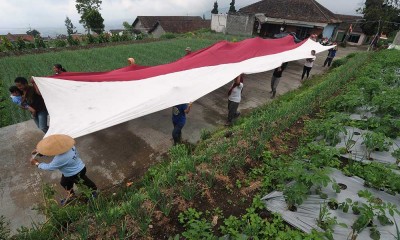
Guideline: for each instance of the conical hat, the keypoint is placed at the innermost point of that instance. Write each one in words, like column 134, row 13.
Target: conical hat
column 55, row 144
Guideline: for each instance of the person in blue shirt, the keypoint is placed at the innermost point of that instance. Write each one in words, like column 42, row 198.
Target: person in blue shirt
column 331, row 55
column 178, row 120
column 66, row 160
column 16, row 97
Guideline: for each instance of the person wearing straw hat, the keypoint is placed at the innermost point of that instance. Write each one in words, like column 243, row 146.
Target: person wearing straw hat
column 66, row 160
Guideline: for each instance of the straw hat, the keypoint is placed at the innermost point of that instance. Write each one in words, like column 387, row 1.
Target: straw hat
column 131, row 61
column 55, row 144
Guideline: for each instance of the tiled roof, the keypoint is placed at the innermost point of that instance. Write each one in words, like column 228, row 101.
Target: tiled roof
column 350, row 19
column 14, row 37
column 300, row 10
column 148, row 22
column 182, row 26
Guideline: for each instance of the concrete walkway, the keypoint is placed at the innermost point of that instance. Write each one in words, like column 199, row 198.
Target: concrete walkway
column 124, row 151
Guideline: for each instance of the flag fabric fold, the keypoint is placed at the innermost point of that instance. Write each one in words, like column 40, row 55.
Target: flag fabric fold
column 82, row 103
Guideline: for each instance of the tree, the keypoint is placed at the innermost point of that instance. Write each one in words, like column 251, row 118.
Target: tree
column 232, row 7
column 128, row 27
column 215, row 9
column 85, row 8
column 33, row 33
column 21, row 43
column 70, row 27
column 39, row 43
column 95, row 21
column 379, row 16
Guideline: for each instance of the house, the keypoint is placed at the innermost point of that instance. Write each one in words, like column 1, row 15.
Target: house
column 82, row 37
column 350, row 25
column 116, row 31
column 78, row 36
column 163, row 26
column 159, row 25
column 303, row 17
column 14, row 37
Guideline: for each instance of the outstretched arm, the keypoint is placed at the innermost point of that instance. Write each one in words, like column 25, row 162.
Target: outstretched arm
column 187, row 110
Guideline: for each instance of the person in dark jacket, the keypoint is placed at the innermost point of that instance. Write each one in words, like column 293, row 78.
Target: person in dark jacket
column 32, row 97
column 179, row 120
column 331, row 55
column 276, row 77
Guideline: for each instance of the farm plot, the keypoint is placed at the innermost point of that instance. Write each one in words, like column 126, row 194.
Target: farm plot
column 213, row 191
column 358, row 132
column 328, row 209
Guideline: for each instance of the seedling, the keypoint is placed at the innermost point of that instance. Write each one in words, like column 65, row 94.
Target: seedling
column 375, row 142
column 396, row 154
column 333, row 204
column 350, row 142
column 374, row 207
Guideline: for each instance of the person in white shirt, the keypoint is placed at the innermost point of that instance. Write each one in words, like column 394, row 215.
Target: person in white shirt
column 308, row 65
column 234, row 97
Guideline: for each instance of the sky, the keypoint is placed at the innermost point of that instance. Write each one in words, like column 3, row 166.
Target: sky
column 48, row 16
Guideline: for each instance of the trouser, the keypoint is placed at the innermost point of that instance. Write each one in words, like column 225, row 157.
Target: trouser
column 232, row 110
column 274, row 84
column 328, row 61
column 68, row 182
column 41, row 120
column 306, row 70
column 177, row 132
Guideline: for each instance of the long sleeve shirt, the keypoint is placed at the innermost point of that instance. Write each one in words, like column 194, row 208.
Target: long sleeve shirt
column 69, row 163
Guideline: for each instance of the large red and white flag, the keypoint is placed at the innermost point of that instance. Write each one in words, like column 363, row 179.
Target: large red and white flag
column 82, row 103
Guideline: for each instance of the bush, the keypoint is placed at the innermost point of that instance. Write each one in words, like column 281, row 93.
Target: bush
column 115, row 38
column 4, row 228
column 168, row 36
column 39, row 43
column 351, row 55
column 30, row 45
column 21, row 44
column 125, row 36
column 60, row 43
column 103, row 38
column 90, row 39
column 7, row 45
column 72, row 42
column 141, row 36
column 339, row 62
